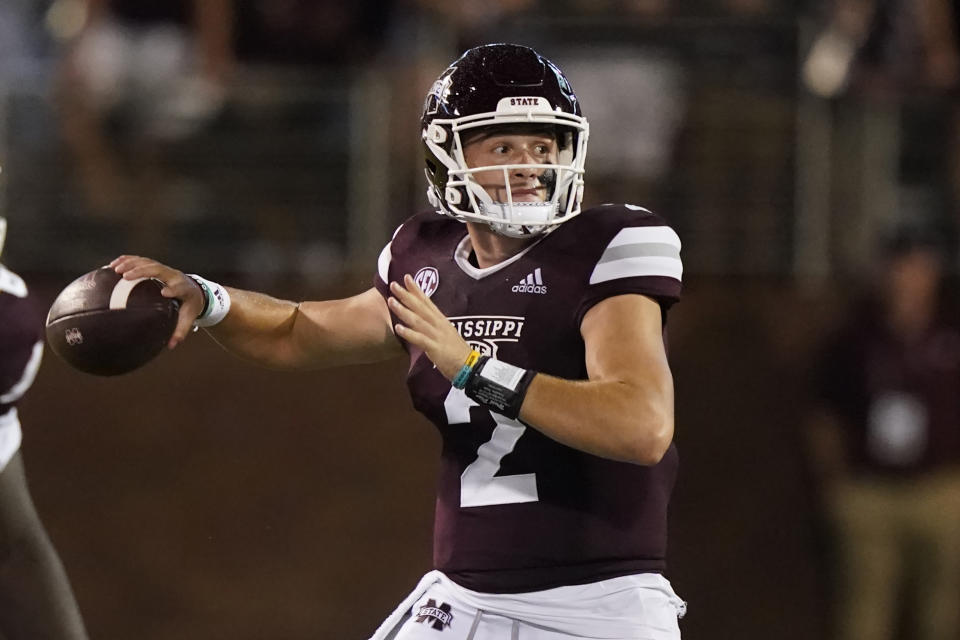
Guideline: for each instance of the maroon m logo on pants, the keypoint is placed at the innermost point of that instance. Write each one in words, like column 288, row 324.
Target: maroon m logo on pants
column 438, row 616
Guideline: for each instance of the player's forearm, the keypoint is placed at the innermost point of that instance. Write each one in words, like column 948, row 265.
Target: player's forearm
column 310, row 335
column 259, row 328
column 610, row 419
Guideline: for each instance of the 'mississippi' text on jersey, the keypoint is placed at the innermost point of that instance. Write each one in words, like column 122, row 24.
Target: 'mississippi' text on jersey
column 517, row 511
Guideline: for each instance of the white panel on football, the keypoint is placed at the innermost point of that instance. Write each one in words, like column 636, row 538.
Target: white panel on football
column 121, row 292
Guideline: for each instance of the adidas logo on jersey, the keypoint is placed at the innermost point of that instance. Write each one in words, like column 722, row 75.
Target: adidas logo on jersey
column 533, row 283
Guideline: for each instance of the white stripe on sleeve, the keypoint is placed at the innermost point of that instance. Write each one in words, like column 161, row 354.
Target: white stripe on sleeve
column 640, row 251
column 634, row 235
column 383, row 263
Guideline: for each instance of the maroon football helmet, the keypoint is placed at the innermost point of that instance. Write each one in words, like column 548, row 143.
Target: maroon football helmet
column 511, row 86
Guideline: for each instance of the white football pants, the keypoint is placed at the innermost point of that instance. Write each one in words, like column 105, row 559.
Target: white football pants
column 638, row 607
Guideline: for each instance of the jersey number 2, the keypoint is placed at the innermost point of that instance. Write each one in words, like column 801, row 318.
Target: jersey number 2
column 480, row 485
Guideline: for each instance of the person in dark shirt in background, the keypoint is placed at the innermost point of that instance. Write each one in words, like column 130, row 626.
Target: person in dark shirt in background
column 886, row 447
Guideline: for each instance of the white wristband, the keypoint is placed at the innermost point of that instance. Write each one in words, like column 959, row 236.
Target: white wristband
column 216, row 305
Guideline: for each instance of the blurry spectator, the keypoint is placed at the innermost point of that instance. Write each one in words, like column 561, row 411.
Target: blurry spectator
column 894, row 66
column 885, row 443
column 884, row 46
column 138, row 75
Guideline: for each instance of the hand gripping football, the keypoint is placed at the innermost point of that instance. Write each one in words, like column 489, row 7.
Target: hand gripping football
column 105, row 325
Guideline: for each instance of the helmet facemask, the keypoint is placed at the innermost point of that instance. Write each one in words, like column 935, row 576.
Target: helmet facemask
column 456, row 191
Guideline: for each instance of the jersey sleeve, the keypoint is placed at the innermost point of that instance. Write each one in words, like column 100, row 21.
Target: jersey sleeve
column 381, row 279
column 386, row 264
column 21, row 349
column 642, row 256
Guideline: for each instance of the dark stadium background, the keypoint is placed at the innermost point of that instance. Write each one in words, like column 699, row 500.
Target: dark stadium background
column 202, row 497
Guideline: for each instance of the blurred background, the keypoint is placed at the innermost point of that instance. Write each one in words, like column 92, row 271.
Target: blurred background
column 274, row 144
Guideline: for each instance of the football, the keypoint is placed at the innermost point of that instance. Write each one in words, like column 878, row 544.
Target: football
column 105, row 325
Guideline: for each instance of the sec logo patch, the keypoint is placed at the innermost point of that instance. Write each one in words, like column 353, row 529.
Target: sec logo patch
column 428, row 280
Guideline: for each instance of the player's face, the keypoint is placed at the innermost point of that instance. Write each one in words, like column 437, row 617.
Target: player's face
column 512, row 149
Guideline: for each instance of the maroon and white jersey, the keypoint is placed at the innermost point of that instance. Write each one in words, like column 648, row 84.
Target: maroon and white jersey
column 21, row 348
column 517, row 511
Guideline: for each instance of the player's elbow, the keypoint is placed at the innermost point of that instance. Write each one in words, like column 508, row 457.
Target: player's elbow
column 651, row 436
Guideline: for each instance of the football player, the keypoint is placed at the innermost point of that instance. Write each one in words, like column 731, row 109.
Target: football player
column 535, row 335
column 35, row 596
